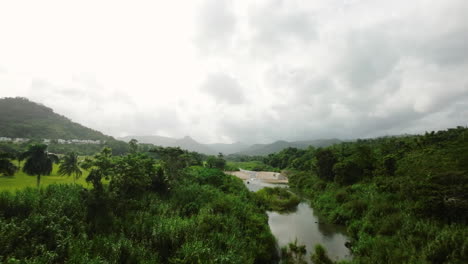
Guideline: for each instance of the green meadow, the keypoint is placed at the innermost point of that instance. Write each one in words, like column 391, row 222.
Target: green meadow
column 21, row 180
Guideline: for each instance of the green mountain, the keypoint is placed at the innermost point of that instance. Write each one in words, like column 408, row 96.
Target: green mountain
column 277, row 146
column 187, row 143
column 21, row 118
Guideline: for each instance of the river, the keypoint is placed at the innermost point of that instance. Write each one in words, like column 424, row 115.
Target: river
column 305, row 225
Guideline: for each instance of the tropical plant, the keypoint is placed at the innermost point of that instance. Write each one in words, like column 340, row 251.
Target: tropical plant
column 39, row 162
column 6, row 166
column 69, row 166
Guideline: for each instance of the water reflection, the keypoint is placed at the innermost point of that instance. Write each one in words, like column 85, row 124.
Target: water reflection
column 305, row 225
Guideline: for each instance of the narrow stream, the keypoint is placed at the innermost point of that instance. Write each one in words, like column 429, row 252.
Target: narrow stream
column 305, row 225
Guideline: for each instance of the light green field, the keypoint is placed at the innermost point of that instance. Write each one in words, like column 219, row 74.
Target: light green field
column 21, row 180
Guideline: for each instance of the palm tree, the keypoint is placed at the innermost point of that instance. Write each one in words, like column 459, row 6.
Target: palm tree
column 6, row 166
column 38, row 161
column 69, row 166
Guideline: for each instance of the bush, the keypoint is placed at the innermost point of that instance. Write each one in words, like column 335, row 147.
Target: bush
column 278, row 199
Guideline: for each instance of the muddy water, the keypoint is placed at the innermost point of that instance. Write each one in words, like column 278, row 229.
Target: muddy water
column 306, row 226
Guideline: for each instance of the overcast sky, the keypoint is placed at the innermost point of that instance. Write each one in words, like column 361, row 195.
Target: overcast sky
column 250, row 71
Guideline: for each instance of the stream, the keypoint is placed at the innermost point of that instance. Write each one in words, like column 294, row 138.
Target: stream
column 305, row 225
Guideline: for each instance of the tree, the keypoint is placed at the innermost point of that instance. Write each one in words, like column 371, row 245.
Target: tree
column 101, row 166
column 133, row 145
column 324, row 164
column 216, row 162
column 6, row 166
column 69, row 166
column 133, row 175
column 389, row 162
column 38, row 161
column 173, row 160
column 347, row 172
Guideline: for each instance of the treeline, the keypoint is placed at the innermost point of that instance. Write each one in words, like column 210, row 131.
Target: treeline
column 403, row 199
column 164, row 208
column 118, row 147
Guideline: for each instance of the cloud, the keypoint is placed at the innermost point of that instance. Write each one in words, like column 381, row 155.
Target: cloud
column 280, row 24
column 226, row 70
column 216, row 25
column 223, row 88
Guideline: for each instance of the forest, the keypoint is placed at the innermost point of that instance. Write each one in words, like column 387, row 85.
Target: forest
column 402, row 200
column 136, row 209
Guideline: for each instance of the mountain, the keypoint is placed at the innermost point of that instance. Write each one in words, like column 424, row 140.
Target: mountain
column 234, row 148
column 187, row 143
column 21, row 118
column 265, row 149
column 155, row 140
column 190, row 144
column 228, row 148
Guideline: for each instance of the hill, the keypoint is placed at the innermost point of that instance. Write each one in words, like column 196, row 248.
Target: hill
column 155, row 140
column 234, row 148
column 277, row 146
column 187, row 143
column 21, row 118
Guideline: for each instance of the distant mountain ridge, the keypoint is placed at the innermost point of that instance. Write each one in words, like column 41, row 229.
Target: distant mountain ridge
column 234, row 148
column 21, row 118
column 265, row 149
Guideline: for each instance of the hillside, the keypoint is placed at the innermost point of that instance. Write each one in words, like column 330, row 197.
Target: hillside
column 265, row 149
column 187, row 143
column 234, row 148
column 26, row 119
column 155, row 140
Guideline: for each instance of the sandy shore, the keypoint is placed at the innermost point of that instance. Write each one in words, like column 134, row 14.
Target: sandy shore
column 266, row 176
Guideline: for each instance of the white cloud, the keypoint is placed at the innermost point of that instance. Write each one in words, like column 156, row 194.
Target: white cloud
column 241, row 70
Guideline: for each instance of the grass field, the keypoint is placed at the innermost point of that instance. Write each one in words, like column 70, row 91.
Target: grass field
column 21, row 180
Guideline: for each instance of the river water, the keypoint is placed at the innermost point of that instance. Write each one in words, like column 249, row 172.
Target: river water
column 306, row 226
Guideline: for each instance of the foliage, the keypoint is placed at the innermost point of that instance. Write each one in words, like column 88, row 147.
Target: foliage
column 253, row 165
column 216, row 162
column 403, row 199
column 277, row 199
column 206, row 217
column 293, row 253
column 326, row 159
column 133, row 146
column 7, row 168
column 320, row 256
column 69, row 166
column 38, row 161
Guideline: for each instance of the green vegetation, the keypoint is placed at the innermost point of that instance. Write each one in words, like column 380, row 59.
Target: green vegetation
column 7, row 167
column 25, row 119
column 320, row 256
column 403, row 199
column 254, row 165
column 216, row 162
column 69, row 166
column 38, row 161
column 20, row 180
column 151, row 211
column 278, row 199
column 293, row 253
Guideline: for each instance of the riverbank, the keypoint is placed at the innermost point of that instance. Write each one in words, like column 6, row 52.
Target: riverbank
column 305, row 225
column 266, row 176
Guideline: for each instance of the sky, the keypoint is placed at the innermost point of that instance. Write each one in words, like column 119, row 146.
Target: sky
column 248, row 71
